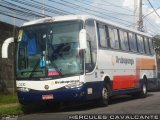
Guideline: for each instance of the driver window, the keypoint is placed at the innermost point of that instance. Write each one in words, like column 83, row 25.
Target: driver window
column 88, row 59
column 91, row 52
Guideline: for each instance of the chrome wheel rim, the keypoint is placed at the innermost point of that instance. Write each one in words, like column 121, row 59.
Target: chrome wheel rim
column 105, row 93
column 144, row 89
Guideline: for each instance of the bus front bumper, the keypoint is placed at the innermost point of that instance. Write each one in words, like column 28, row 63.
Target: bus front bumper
column 31, row 97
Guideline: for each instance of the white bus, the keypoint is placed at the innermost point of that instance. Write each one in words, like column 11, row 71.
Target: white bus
column 79, row 58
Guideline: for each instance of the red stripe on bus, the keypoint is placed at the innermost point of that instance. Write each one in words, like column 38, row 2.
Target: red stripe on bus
column 124, row 82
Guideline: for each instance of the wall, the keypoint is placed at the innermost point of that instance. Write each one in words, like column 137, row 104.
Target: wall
column 7, row 78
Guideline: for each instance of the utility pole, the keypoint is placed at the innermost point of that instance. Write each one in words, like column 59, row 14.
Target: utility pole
column 135, row 15
column 14, row 23
column 138, row 20
column 43, row 7
column 140, row 16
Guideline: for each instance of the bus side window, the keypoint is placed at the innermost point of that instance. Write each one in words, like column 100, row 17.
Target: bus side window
column 124, row 40
column 140, row 44
column 151, row 46
column 113, row 37
column 102, row 35
column 146, row 45
column 132, row 42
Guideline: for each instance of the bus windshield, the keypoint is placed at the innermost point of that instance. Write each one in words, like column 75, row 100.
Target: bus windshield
column 49, row 50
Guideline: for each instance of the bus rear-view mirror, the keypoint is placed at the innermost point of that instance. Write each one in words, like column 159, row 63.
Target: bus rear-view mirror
column 5, row 47
column 83, row 39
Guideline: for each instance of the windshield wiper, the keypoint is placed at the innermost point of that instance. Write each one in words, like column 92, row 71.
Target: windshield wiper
column 35, row 67
column 55, row 66
column 60, row 73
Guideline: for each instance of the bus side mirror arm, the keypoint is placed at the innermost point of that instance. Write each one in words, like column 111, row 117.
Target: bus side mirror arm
column 5, row 47
column 83, row 39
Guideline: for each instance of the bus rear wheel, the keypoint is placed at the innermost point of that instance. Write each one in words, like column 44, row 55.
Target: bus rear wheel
column 143, row 92
column 105, row 93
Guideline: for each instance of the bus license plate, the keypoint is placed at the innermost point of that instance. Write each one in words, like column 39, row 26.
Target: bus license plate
column 47, row 97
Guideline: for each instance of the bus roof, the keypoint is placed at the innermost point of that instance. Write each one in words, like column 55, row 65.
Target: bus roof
column 81, row 17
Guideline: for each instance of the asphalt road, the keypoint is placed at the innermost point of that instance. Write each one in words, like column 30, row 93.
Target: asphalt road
column 119, row 105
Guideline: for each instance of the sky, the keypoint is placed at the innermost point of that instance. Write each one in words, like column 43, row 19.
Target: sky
column 118, row 11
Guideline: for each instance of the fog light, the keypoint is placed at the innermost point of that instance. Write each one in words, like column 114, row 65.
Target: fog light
column 81, row 94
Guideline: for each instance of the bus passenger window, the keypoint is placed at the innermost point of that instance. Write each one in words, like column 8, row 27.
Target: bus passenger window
column 113, row 37
column 124, row 40
column 140, row 44
column 146, row 45
column 132, row 42
column 151, row 46
column 102, row 35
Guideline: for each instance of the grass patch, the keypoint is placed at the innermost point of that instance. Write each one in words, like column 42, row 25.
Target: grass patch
column 11, row 110
column 9, row 105
column 7, row 99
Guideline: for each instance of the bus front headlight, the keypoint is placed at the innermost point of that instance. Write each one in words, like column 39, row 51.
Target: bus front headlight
column 74, row 85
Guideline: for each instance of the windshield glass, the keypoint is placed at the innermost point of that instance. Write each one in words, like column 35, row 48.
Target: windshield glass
column 49, row 50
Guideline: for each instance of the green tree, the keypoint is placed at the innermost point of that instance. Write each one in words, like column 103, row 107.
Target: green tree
column 156, row 41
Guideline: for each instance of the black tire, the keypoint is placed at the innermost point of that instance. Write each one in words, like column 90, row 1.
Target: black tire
column 143, row 92
column 105, row 94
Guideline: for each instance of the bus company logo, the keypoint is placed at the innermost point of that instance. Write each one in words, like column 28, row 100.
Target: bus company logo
column 68, row 81
column 125, row 61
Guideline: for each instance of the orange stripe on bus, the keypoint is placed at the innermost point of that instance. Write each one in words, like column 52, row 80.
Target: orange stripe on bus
column 132, row 81
column 146, row 64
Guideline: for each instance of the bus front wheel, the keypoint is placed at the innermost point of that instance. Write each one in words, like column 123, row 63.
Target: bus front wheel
column 105, row 93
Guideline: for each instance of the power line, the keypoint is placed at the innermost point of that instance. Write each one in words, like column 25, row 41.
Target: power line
column 153, row 26
column 98, row 3
column 103, row 9
column 20, row 11
column 116, row 5
column 150, row 12
column 52, row 7
column 13, row 16
column 23, row 11
column 153, row 8
column 84, row 9
column 131, row 25
column 58, row 12
column 23, row 8
column 94, row 11
column 19, row 14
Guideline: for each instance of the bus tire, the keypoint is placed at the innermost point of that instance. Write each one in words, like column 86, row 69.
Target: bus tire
column 143, row 92
column 105, row 93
